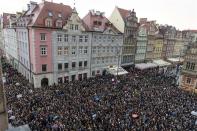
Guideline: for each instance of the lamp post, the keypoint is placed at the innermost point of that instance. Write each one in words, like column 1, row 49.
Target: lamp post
column 118, row 55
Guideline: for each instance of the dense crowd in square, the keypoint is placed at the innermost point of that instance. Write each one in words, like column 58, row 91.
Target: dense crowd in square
column 139, row 101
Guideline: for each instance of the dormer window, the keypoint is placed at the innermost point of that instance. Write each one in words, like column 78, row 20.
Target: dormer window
column 48, row 22
column 50, row 14
column 107, row 24
column 99, row 23
column 59, row 23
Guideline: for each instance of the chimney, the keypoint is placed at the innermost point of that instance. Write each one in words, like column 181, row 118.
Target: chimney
column 28, row 6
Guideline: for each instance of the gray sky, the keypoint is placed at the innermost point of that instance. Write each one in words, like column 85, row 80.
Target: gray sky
column 180, row 13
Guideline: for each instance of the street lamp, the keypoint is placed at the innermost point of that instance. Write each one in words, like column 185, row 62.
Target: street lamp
column 118, row 55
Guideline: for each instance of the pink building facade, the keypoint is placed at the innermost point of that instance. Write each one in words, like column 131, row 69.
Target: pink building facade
column 41, row 57
column 40, row 20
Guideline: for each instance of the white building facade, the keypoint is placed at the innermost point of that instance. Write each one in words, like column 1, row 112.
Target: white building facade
column 106, row 51
column 71, row 51
column 23, row 54
column 141, row 44
column 10, row 45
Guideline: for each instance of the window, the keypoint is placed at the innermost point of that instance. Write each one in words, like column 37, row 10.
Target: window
column 95, row 22
column 59, row 38
column 73, row 65
column 44, row 68
column 73, row 38
column 59, row 66
column 86, row 38
column 42, row 36
column 80, row 49
column 192, row 66
column 188, row 80
column 43, row 50
column 106, row 60
column 93, row 73
column 60, row 80
column 103, row 49
column 66, row 51
column 103, row 60
column 65, row 38
column 94, row 50
column 59, row 50
column 85, row 63
column 80, row 64
column 76, row 27
column 80, row 38
column 86, row 50
column 71, row 26
column 99, row 49
column 107, row 49
column 98, row 60
column 73, row 50
column 65, row 66
column 48, row 23
column 99, row 23
column 112, row 49
column 59, row 23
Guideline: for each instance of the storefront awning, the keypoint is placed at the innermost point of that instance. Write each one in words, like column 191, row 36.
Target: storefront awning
column 161, row 63
column 113, row 70
column 143, row 66
column 175, row 60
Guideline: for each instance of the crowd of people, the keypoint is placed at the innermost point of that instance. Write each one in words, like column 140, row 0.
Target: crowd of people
column 138, row 101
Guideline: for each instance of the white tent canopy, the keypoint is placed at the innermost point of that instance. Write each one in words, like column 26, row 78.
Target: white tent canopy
column 113, row 70
column 143, row 66
column 20, row 128
column 161, row 63
column 176, row 59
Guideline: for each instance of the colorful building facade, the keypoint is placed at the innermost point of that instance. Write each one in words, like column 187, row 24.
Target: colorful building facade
column 127, row 22
column 189, row 71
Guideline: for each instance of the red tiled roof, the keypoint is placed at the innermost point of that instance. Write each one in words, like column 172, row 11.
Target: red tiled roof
column 123, row 12
column 41, row 13
column 89, row 19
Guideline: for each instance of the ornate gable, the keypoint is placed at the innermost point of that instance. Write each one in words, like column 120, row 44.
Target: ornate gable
column 74, row 23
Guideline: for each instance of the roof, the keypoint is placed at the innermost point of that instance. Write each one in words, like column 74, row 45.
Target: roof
column 114, row 70
column 41, row 12
column 193, row 31
column 123, row 12
column 175, row 60
column 161, row 63
column 5, row 19
column 143, row 66
column 91, row 17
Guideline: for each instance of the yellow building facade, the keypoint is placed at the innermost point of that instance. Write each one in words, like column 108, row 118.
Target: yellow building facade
column 157, row 47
